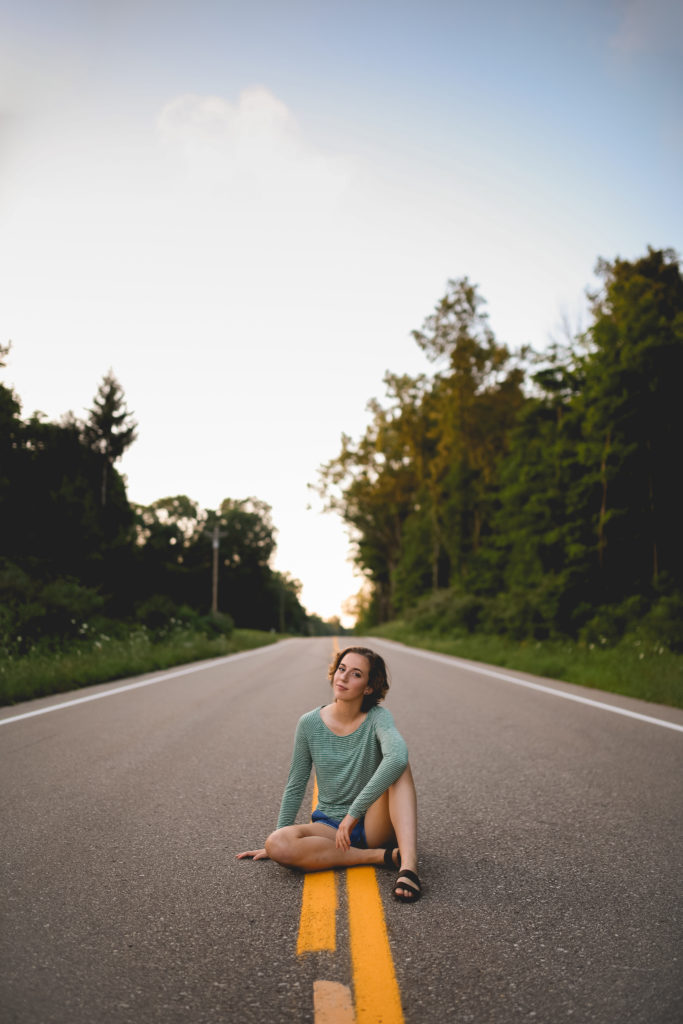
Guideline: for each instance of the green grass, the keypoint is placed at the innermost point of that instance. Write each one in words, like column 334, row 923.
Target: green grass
column 40, row 673
column 633, row 668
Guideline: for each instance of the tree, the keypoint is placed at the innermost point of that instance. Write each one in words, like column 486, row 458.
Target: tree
column 110, row 429
column 10, row 430
column 170, row 555
column 541, row 542
column 169, row 524
column 418, row 489
column 634, row 422
column 247, row 542
column 473, row 407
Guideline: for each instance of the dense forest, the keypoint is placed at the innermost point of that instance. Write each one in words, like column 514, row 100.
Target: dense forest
column 522, row 493
column 76, row 556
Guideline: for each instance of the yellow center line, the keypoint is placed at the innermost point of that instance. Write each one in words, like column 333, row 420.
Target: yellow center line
column 378, row 1000
column 317, row 923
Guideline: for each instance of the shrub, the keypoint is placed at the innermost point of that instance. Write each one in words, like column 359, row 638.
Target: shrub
column 520, row 614
column 42, row 613
column 663, row 624
column 217, row 624
column 156, row 612
column 655, row 624
column 446, row 612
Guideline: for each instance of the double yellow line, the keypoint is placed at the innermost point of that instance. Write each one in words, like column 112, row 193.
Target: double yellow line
column 375, row 998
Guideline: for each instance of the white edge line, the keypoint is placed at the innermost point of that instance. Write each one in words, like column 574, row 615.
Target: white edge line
column 145, row 682
column 453, row 659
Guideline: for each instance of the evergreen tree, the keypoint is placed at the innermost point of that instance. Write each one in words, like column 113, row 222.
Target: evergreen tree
column 634, row 422
column 110, row 428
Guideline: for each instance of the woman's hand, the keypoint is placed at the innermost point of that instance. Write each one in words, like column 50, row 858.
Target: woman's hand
column 256, row 854
column 343, row 839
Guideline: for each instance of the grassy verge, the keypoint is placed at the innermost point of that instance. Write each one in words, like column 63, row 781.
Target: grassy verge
column 631, row 668
column 40, row 673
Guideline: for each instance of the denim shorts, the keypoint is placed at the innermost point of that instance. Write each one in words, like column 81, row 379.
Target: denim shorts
column 357, row 833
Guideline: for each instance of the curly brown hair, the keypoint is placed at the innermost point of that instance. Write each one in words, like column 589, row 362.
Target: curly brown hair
column 378, row 676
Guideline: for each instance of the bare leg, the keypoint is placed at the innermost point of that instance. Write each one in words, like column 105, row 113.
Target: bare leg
column 394, row 815
column 313, row 848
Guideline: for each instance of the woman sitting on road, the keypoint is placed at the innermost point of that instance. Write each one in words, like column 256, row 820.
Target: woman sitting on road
column 367, row 806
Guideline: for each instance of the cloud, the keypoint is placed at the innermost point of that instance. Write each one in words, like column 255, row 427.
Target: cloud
column 650, row 26
column 253, row 146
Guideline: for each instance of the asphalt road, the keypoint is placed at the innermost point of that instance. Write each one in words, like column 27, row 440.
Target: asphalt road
column 550, row 836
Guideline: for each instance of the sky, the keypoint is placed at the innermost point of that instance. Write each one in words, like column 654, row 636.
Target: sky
column 244, row 209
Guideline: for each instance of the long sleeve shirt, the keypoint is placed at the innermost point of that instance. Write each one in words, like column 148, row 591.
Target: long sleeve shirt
column 351, row 771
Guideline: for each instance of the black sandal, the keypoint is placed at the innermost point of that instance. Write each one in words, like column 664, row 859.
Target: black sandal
column 389, row 857
column 400, row 884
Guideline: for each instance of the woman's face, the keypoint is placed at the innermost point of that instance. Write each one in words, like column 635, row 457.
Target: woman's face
column 350, row 681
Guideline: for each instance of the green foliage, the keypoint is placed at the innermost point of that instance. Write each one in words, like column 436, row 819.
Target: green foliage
column 657, row 625
column 33, row 612
column 634, row 421
column 532, row 496
column 78, row 562
column 662, row 625
column 446, row 612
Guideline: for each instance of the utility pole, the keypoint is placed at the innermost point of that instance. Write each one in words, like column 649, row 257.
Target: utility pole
column 215, row 542
column 215, row 535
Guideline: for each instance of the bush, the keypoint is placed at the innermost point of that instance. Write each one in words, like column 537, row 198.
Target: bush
column 156, row 613
column 663, row 624
column 446, row 612
column 521, row 614
column 610, row 622
column 42, row 613
column 161, row 615
column 217, row 624
column 657, row 624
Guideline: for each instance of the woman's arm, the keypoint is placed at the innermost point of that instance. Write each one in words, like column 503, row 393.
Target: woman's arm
column 299, row 774
column 391, row 767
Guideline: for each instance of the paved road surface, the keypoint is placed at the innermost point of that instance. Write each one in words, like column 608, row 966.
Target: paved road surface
column 550, row 834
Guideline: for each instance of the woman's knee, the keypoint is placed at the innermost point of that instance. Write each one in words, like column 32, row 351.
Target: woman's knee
column 279, row 846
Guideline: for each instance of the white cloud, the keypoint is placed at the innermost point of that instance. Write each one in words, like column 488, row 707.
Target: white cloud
column 251, row 149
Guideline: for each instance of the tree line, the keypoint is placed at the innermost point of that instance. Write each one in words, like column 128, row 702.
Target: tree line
column 74, row 549
column 533, row 494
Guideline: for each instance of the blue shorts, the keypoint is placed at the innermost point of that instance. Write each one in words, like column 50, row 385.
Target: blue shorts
column 357, row 833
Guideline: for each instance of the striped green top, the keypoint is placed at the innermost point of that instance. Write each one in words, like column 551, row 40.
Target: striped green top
column 352, row 771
